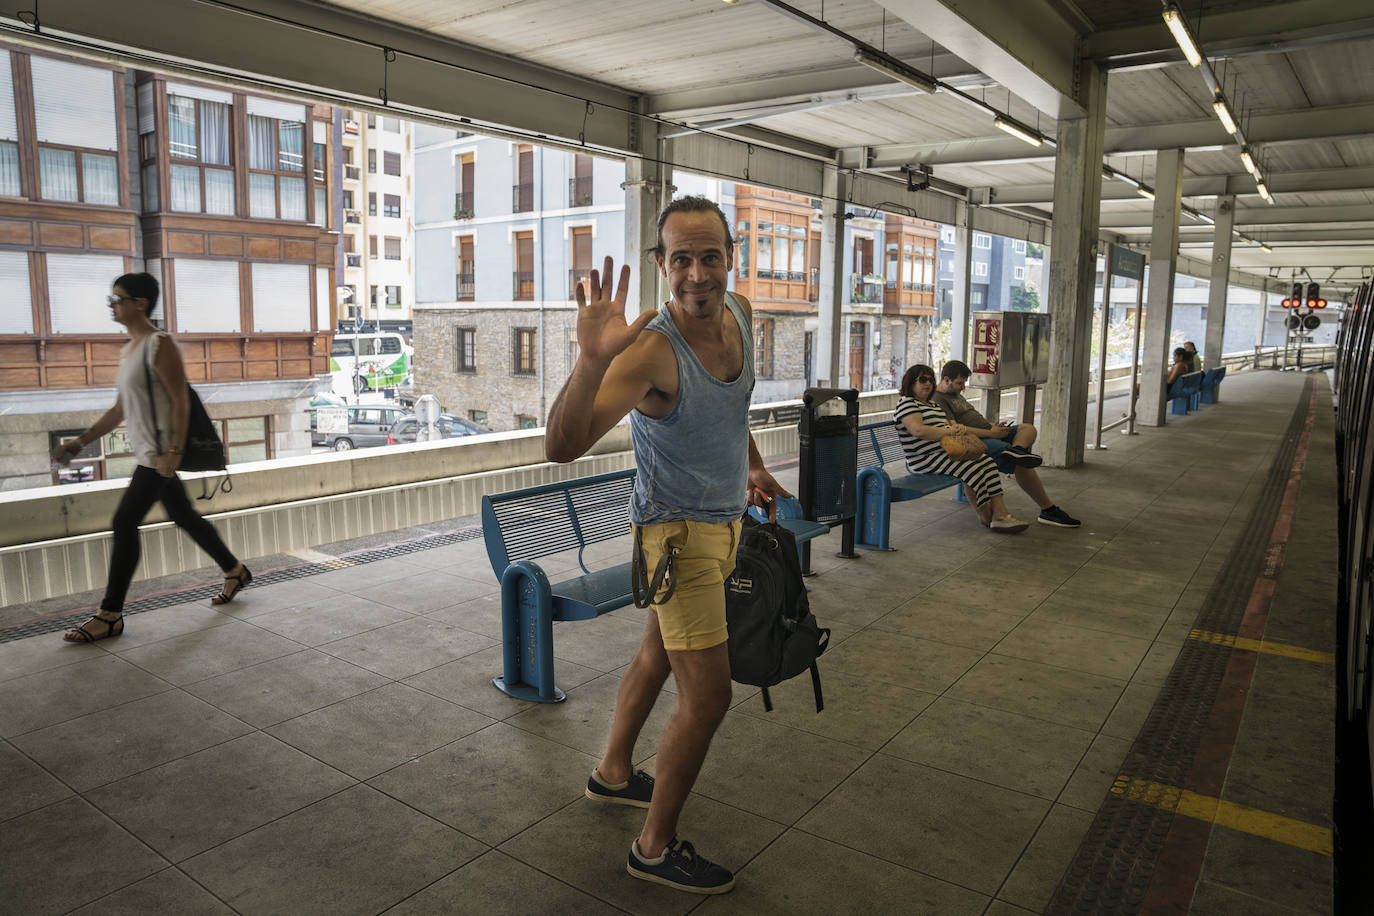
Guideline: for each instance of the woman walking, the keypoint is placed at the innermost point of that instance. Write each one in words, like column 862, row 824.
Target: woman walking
column 921, row 424
column 152, row 403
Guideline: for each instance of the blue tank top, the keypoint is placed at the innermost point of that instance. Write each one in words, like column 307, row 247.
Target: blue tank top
column 694, row 463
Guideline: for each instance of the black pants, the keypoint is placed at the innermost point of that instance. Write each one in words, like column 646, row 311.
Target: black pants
column 146, row 488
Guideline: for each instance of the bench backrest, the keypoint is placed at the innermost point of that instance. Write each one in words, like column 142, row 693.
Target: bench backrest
column 879, row 444
column 554, row 517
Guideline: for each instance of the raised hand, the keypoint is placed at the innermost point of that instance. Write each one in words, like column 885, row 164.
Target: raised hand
column 602, row 332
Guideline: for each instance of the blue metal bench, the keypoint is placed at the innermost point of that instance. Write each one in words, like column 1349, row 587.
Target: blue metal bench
column 1183, row 392
column 1210, row 389
column 880, row 445
column 522, row 526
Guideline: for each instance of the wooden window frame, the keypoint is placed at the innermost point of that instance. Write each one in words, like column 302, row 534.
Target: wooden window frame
column 466, row 353
column 305, row 174
column 520, row 365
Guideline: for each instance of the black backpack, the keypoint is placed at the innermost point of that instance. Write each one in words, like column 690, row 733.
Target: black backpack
column 773, row 634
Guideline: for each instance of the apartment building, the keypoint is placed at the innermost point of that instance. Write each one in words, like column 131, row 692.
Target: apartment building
column 998, row 275
column 223, row 195
column 378, row 286
column 504, row 231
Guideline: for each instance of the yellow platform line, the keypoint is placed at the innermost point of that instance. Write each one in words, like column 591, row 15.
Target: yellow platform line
column 321, row 559
column 1263, row 645
column 1253, row 821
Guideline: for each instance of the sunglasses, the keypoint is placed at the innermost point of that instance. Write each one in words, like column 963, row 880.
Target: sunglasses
column 112, row 299
column 926, row 378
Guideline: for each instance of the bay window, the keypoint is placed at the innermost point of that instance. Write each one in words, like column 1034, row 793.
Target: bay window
column 74, row 117
column 276, row 160
column 201, row 173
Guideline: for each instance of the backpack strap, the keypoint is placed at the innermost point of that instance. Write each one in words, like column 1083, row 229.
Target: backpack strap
column 767, row 701
column 642, row 589
column 816, row 682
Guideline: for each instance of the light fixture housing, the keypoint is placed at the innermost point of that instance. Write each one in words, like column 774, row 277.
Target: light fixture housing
column 1145, row 192
column 1224, row 114
column 1128, row 179
column 1265, row 248
column 894, row 68
column 1264, row 191
column 1247, row 160
column 1206, row 219
column 1174, row 20
column 1018, row 130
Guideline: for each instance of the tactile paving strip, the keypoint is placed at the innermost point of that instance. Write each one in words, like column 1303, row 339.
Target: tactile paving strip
column 206, row 592
column 1111, row 871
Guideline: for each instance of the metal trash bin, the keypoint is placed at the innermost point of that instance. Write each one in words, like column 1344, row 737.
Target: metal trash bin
column 829, row 463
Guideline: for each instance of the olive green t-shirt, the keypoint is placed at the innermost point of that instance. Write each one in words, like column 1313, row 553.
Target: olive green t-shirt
column 958, row 409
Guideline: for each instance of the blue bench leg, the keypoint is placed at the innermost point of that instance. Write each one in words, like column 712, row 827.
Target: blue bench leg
column 874, row 510
column 527, row 636
column 959, row 495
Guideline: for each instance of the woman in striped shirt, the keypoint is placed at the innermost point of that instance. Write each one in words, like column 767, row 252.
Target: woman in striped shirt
column 920, row 426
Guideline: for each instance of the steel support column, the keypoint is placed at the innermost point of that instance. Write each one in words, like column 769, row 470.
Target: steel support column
column 1159, row 304
column 1218, row 292
column 963, row 279
column 1073, row 269
column 648, row 188
column 828, row 331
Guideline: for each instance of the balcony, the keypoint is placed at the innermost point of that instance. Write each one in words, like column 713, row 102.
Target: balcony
column 465, row 287
column 578, row 275
column 353, row 260
column 865, row 288
column 522, row 198
column 352, row 173
column 522, row 285
column 580, row 192
column 462, row 205
column 352, row 216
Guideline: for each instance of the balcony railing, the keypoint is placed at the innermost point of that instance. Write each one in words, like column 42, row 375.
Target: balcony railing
column 580, row 192
column 865, row 288
column 351, row 173
column 462, row 205
column 579, row 275
column 352, row 216
column 353, row 260
column 522, row 198
column 465, row 287
column 522, row 285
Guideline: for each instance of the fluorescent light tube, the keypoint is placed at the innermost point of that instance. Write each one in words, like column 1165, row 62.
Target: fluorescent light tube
column 1145, row 192
column 1224, row 113
column 1128, row 179
column 1265, row 248
column 1174, row 19
column 1018, row 130
column 1263, row 191
column 1247, row 160
column 1206, row 219
column 897, row 70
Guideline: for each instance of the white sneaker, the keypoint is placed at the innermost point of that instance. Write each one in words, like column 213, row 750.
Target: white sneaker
column 1008, row 524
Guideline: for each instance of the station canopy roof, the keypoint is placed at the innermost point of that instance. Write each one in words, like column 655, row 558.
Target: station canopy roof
column 774, row 93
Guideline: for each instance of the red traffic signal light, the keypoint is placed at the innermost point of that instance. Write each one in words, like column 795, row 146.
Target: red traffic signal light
column 1287, row 303
column 1321, row 303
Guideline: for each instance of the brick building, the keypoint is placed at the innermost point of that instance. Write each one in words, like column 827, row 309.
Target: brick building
column 224, row 196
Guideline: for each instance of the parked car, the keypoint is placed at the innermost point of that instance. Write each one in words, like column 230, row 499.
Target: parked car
column 403, row 430
column 368, row 425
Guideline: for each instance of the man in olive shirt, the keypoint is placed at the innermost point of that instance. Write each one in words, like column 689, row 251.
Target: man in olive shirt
column 1008, row 445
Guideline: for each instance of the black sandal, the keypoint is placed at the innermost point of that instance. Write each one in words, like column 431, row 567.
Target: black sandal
column 225, row 595
column 81, row 634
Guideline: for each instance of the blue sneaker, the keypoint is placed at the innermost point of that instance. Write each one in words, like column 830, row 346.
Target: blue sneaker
column 636, row 792
column 681, row 868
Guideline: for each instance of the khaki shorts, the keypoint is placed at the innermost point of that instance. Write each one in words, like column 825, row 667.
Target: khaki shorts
column 693, row 617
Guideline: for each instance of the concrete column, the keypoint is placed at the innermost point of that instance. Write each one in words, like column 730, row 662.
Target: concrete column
column 1220, row 281
column 1263, row 314
column 1159, row 302
column 1073, row 273
column 963, row 279
column 829, row 340
column 648, row 189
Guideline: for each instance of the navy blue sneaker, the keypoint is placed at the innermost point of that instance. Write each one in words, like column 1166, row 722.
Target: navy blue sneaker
column 683, row 869
column 1022, row 458
column 1058, row 518
column 636, row 793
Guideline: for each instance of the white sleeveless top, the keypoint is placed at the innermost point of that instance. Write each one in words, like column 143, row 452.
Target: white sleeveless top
column 132, row 384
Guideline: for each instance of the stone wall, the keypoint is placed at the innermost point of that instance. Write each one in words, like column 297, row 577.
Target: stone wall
column 494, row 388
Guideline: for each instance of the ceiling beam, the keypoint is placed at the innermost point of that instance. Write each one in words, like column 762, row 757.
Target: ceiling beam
column 1296, row 182
column 1274, row 127
column 1284, row 25
column 324, row 52
column 738, row 98
column 1256, row 216
column 1028, row 44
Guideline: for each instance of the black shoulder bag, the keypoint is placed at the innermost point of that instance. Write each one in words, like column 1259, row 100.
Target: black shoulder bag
column 203, row 450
